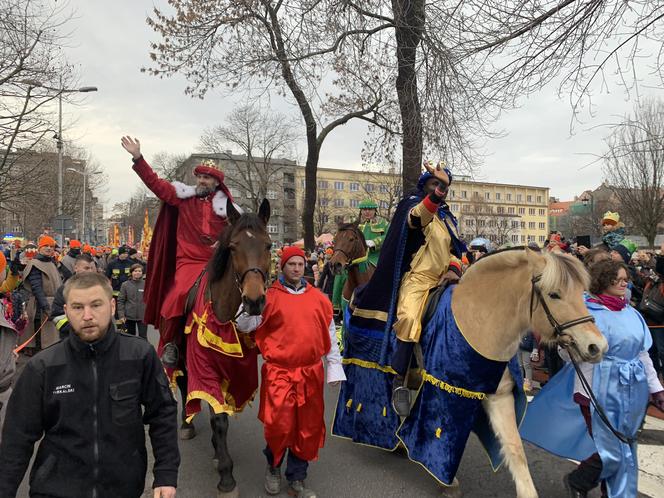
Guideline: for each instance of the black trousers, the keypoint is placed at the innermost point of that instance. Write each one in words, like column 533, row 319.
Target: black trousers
column 586, row 475
column 296, row 468
column 142, row 328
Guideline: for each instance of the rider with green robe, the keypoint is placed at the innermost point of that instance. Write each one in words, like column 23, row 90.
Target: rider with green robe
column 374, row 229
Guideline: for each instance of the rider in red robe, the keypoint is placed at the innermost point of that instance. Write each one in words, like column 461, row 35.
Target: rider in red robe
column 295, row 331
column 189, row 223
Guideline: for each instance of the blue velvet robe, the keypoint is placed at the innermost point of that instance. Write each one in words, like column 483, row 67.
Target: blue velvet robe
column 448, row 405
column 554, row 422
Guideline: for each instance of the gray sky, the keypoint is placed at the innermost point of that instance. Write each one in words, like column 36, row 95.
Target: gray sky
column 109, row 43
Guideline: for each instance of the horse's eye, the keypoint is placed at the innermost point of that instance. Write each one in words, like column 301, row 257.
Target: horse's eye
column 268, row 246
column 554, row 295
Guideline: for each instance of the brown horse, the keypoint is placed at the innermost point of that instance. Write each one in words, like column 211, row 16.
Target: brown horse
column 350, row 256
column 236, row 274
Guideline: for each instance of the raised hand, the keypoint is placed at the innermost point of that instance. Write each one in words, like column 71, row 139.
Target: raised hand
column 131, row 145
column 439, row 172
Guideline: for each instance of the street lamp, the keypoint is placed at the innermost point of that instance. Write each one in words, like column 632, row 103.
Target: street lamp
column 85, row 175
column 61, row 90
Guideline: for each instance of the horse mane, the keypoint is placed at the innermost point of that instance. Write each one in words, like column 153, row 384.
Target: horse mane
column 560, row 273
column 217, row 264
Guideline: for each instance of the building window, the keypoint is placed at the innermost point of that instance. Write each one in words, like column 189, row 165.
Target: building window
column 510, row 210
column 289, row 178
column 302, row 184
column 492, row 223
column 383, row 204
column 338, row 185
column 234, row 192
column 497, row 196
column 354, row 187
column 531, row 211
column 470, row 222
column 369, row 187
column 465, row 208
column 487, row 195
column 322, row 184
column 531, row 238
column 455, row 207
column 271, row 194
column 529, row 198
column 542, row 226
column 325, row 218
column 515, row 239
column 339, row 203
column 480, row 223
column 354, row 203
column 523, row 224
column 519, row 198
column 383, row 188
column 542, row 238
column 539, row 198
column 542, row 212
column 523, row 238
column 322, row 202
column 531, row 225
column 451, row 194
column 287, row 227
column 476, row 195
column 500, row 210
column 275, row 212
column 522, row 210
column 464, row 194
column 338, row 219
column 272, row 228
column 515, row 224
column 508, row 197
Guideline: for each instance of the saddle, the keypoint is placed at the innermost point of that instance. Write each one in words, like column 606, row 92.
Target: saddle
column 432, row 302
column 191, row 295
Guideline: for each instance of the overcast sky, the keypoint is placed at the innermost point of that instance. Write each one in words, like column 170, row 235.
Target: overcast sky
column 109, row 44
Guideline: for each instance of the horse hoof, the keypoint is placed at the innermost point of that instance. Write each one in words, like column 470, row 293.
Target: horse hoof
column 187, row 432
column 234, row 493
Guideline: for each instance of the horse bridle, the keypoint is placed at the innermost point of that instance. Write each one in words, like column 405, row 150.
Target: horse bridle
column 239, row 279
column 559, row 331
column 351, row 262
column 558, row 328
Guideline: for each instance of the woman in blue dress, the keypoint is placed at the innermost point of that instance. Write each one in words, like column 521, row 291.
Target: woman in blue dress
column 622, row 383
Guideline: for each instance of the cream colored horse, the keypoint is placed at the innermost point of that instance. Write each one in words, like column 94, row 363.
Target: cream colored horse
column 515, row 300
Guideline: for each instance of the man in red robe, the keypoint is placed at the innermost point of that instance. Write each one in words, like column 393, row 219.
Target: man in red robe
column 294, row 333
column 188, row 226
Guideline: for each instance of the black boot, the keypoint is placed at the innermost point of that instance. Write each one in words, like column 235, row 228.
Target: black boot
column 400, row 397
column 170, row 355
column 573, row 492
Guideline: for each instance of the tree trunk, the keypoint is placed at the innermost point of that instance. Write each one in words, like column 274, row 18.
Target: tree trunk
column 409, row 20
column 310, row 187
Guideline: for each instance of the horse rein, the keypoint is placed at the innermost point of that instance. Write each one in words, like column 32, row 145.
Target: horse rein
column 559, row 331
column 350, row 261
column 239, row 279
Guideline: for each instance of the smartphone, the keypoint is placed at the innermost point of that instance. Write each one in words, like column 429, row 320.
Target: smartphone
column 583, row 240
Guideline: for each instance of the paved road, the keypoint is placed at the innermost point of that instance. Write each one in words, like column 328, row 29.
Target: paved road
column 348, row 470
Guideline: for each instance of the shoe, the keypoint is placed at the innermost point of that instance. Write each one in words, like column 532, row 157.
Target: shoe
column 170, row 355
column 298, row 490
column 272, row 480
column 572, row 492
column 401, row 400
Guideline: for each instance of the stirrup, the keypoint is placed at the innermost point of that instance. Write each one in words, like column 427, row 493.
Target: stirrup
column 170, row 355
column 401, row 400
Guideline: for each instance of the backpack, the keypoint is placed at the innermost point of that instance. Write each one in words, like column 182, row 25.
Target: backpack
column 652, row 303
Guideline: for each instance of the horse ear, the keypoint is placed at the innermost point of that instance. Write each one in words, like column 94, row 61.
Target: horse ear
column 535, row 259
column 232, row 214
column 264, row 211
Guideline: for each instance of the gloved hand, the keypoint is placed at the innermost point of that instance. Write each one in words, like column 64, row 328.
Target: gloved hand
column 371, row 244
column 15, row 266
column 657, row 399
column 534, row 356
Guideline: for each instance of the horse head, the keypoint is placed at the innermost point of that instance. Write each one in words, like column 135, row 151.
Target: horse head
column 349, row 245
column 557, row 309
column 243, row 256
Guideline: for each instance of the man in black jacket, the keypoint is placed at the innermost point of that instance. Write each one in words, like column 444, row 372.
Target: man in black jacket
column 84, row 396
column 82, row 263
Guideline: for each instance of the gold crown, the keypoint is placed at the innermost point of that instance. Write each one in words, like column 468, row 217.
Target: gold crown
column 210, row 164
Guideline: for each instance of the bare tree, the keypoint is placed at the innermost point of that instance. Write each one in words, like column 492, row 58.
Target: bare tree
column 30, row 61
column 479, row 218
column 263, row 44
column 634, row 167
column 263, row 138
column 167, row 165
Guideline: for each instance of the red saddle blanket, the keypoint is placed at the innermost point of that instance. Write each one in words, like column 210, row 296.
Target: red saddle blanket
column 222, row 363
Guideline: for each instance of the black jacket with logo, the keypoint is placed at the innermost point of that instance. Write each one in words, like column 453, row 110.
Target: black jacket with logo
column 85, row 400
column 119, row 271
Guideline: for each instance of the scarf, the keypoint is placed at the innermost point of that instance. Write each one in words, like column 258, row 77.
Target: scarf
column 614, row 303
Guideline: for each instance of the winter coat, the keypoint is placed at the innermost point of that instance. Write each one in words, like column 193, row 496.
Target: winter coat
column 130, row 300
